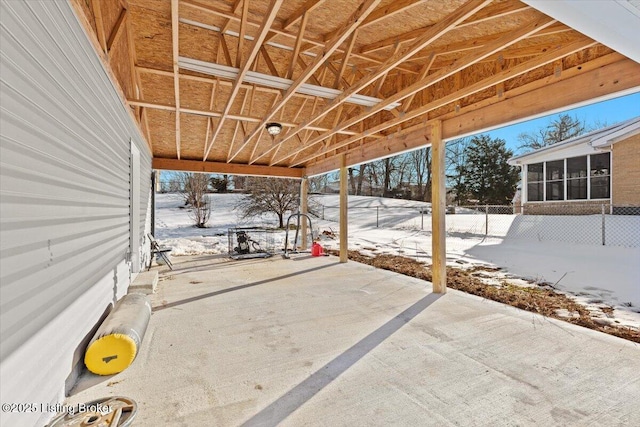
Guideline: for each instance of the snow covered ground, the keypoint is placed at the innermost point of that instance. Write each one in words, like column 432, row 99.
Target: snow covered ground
column 595, row 275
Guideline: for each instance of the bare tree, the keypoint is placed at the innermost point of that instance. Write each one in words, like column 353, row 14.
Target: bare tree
column 269, row 195
column 455, row 169
column 560, row 129
column 421, row 165
column 356, row 181
column 195, row 187
column 318, row 184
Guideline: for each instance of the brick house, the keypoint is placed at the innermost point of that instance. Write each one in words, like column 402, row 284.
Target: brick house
column 582, row 174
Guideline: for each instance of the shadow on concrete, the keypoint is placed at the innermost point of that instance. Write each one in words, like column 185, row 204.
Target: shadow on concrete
column 237, row 288
column 279, row 410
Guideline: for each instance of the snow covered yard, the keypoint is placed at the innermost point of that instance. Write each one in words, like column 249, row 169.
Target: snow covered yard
column 604, row 278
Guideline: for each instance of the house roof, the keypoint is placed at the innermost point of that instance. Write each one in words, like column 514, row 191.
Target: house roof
column 364, row 79
column 601, row 138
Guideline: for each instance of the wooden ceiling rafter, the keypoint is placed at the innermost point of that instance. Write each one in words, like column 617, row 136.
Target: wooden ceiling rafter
column 267, row 22
column 225, row 50
column 217, row 115
column 423, row 74
column 267, row 60
column 305, row 9
column 493, row 11
column 296, row 48
column 255, row 147
column 136, row 41
column 504, row 75
column 385, row 12
column 352, row 23
column 212, row 100
column 175, row 42
column 440, row 75
column 345, row 59
column 243, row 31
column 479, row 42
column 433, row 33
column 235, row 9
column 253, row 159
column 100, row 31
column 118, row 29
column 240, row 123
column 309, row 42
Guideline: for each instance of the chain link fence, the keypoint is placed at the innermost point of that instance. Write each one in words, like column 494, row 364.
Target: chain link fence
column 593, row 224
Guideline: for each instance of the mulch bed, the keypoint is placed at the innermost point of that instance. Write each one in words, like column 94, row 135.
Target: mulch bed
column 542, row 300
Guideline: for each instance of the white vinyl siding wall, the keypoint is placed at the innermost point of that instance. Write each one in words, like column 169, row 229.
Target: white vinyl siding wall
column 64, row 197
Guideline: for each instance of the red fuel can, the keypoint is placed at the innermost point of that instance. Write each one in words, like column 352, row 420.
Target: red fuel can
column 316, row 249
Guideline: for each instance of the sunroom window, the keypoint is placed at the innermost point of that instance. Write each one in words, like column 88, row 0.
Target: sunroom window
column 600, row 176
column 577, row 178
column 555, row 180
column 535, row 182
column 584, row 177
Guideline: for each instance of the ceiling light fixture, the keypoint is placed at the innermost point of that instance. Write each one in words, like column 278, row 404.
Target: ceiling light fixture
column 273, row 128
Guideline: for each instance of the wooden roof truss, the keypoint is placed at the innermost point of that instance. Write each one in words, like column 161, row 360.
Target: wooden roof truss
column 361, row 78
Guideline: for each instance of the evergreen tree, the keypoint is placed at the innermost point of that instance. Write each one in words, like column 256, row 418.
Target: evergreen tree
column 487, row 177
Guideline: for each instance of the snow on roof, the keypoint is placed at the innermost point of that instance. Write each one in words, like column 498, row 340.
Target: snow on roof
column 600, row 138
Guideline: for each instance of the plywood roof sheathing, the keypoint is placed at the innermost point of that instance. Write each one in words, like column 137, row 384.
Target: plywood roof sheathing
column 495, row 79
column 427, row 37
column 441, row 74
column 361, row 13
column 268, row 21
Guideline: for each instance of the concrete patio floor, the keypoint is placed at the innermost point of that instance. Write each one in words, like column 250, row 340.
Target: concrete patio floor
column 311, row 342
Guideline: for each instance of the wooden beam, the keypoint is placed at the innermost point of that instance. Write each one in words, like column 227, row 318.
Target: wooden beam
column 304, row 208
column 387, row 11
column 436, row 31
column 345, row 59
column 491, row 12
column 551, row 96
column 296, row 48
column 100, row 31
column 225, row 50
column 118, row 29
column 215, row 114
column 350, row 26
column 211, row 80
column 269, row 17
column 269, row 62
column 225, row 168
column 576, row 86
column 235, row 9
column 312, row 41
column 89, row 30
column 175, row 42
column 423, row 74
column 306, row 8
column 440, row 75
column 243, row 30
column 344, row 202
column 438, row 206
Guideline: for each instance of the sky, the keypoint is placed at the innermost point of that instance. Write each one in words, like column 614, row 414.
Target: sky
column 605, row 113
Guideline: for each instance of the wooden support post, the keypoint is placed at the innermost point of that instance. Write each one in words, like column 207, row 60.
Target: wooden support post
column 438, row 205
column 304, row 208
column 344, row 254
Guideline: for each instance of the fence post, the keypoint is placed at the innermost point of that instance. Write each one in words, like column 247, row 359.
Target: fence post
column 486, row 220
column 377, row 209
column 603, row 224
column 422, row 218
column 322, row 212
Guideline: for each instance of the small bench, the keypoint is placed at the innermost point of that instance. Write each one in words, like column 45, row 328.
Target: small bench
column 156, row 249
